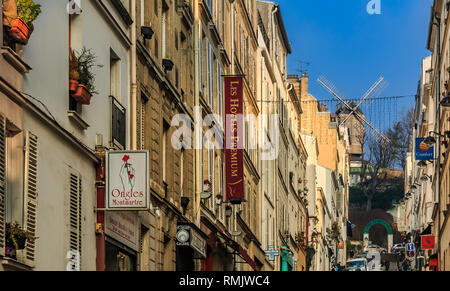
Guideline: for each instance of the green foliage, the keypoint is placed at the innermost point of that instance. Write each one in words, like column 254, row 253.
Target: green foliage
column 382, row 199
column 14, row 233
column 334, row 234
column 86, row 62
column 28, row 11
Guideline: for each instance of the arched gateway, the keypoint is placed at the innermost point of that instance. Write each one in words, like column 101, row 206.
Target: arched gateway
column 388, row 229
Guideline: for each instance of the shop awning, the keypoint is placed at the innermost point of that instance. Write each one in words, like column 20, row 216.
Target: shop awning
column 434, row 261
column 426, row 231
column 243, row 253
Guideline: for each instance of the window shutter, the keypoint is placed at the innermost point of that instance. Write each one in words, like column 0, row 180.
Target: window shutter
column 30, row 194
column 75, row 215
column 2, row 183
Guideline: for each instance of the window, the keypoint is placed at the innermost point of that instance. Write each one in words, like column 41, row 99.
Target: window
column 18, row 203
column 118, row 126
column 211, row 165
column 200, row 63
column 114, row 79
column 156, row 48
column 165, row 143
column 209, row 4
column 267, row 220
column 75, row 215
column 164, row 32
column 182, row 171
column 209, row 74
column 141, row 112
column 220, row 90
column 255, row 211
column 221, row 187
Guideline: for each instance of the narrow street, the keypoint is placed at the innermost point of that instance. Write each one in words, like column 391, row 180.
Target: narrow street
column 224, row 136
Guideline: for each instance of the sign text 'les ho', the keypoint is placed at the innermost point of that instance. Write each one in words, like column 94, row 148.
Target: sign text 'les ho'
column 127, row 186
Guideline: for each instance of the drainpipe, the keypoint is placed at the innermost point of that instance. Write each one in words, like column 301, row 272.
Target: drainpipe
column 133, row 101
column 197, row 118
column 100, row 225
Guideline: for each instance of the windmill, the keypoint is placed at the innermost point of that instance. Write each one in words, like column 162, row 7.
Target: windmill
column 352, row 108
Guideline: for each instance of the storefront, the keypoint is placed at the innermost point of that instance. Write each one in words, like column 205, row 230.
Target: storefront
column 191, row 246
column 287, row 259
column 118, row 257
column 121, row 240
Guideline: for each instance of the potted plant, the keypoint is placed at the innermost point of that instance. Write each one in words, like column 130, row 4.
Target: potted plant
column 21, row 27
column 16, row 239
column 85, row 88
column 74, row 76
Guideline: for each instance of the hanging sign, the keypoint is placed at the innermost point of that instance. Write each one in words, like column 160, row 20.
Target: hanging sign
column 428, row 242
column 127, row 186
column 234, row 139
column 424, row 151
column 123, row 226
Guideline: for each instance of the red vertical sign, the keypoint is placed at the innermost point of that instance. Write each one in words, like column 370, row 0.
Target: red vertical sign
column 234, row 139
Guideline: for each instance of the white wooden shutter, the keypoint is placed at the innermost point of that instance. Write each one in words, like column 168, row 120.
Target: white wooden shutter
column 2, row 182
column 30, row 194
column 75, row 215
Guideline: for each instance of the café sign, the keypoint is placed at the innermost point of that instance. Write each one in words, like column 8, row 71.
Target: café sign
column 127, row 182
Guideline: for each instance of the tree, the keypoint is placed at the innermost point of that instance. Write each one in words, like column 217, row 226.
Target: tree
column 374, row 173
column 381, row 157
column 401, row 136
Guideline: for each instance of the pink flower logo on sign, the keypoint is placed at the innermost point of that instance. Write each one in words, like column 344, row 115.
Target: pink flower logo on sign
column 127, row 173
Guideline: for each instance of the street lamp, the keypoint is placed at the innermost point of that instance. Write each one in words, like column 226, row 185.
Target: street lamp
column 414, row 187
column 445, row 102
column 422, row 164
column 426, row 177
column 430, row 140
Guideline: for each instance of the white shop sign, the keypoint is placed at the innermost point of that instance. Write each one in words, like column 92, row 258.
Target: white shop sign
column 127, row 180
column 123, row 226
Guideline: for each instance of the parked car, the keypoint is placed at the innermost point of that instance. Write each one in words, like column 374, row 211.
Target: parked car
column 398, row 248
column 356, row 265
column 376, row 248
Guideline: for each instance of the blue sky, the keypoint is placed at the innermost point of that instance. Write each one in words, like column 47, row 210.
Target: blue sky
column 352, row 48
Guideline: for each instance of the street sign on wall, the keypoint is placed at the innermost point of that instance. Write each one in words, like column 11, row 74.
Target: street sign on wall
column 424, row 151
column 127, row 182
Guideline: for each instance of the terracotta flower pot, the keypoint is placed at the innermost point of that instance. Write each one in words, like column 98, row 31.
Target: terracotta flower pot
column 73, row 85
column 20, row 31
column 82, row 95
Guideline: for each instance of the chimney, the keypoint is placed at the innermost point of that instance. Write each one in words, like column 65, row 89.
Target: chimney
column 304, row 85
